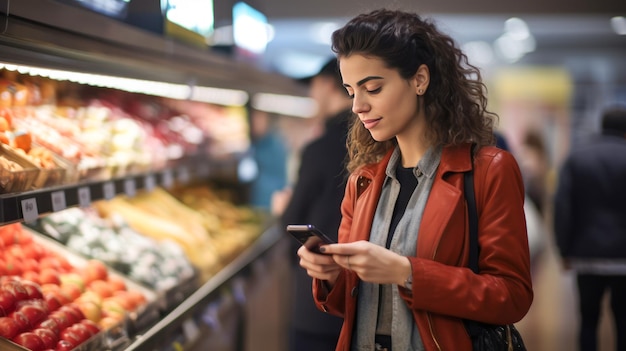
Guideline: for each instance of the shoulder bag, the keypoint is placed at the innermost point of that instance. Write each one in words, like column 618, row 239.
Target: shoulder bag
column 485, row 337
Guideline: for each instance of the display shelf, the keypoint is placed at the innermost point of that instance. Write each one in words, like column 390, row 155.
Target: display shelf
column 181, row 318
column 28, row 206
column 59, row 36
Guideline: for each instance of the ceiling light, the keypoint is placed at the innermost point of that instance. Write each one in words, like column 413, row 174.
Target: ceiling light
column 226, row 97
column 618, row 23
column 517, row 28
column 295, row 106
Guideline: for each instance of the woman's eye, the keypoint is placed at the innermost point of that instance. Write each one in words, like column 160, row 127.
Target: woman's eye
column 374, row 91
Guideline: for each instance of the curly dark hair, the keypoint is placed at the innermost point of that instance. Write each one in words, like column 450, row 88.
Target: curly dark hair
column 455, row 102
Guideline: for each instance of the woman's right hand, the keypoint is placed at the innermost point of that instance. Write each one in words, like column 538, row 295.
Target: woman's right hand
column 319, row 266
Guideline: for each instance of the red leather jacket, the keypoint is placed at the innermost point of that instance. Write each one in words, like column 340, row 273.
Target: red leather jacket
column 445, row 291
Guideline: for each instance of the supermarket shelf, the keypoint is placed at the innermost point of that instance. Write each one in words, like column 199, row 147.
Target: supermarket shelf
column 28, row 206
column 59, row 36
column 182, row 316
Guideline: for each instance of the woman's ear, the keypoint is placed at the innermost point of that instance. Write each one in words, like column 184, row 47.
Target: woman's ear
column 421, row 79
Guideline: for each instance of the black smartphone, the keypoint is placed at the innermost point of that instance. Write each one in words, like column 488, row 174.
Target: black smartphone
column 309, row 236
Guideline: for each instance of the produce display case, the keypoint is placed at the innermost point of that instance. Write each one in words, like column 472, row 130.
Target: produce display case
column 38, row 35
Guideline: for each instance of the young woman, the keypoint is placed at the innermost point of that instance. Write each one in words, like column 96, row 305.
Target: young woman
column 399, row 275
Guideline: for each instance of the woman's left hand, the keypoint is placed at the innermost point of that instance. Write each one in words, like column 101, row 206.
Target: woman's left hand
column 371, row 262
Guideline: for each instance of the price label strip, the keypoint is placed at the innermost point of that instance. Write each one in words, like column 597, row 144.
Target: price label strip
column 30, row 213
column 84, row 197
column 130, row 188
column 58, row 201
column 183, row 175
column 149, row 182
column 108, row 189
column 168, row 179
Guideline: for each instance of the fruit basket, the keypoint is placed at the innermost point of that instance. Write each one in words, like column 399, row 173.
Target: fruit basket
column 16, row 172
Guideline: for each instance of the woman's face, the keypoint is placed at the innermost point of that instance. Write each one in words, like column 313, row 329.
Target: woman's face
column 386, row 103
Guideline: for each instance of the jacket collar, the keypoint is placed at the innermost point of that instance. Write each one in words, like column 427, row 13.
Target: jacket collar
column 454, row 158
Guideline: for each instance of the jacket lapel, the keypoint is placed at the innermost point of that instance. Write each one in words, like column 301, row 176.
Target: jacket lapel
column 444, row 198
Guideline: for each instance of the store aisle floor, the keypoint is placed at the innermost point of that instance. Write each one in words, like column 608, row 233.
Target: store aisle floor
column 552, row 322
column 550, row 325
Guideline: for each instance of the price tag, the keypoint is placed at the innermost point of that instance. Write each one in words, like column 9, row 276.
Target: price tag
column 190, row 330
column 58, row 200
column 168, row 179
column 108, row 189
column 130, row 187
column 149, row 182
column 84, row 197
column 183, row 175
column 30, row 212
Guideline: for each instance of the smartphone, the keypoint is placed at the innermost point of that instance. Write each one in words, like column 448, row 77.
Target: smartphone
column 309, row 236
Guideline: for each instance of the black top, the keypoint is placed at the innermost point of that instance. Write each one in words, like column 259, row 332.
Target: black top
column 590, row 201
column 408, row 183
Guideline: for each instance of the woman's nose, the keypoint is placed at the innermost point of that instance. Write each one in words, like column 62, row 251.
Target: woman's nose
column 359, row 104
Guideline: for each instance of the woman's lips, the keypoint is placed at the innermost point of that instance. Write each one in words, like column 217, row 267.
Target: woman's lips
column 370, row 123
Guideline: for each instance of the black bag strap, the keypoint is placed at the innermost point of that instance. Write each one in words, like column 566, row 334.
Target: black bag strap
column 470, row 199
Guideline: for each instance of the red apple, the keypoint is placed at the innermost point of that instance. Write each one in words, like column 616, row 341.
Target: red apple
column 73, row 312
column 116, row 283
column 16, row 288
column 95, row 270
column 50, row 324
column 7, row 302
column 91, row 326
column 8, row 327
column 35, row 312
column 52, row 302
column 61, row 319
column 81, row 331
column 33, row 290
column 22, row 322
column 69, row 334
column 102, row 288
column 65, row 345
column 30, row 341
column 34, row 251
column 49, row 276
column 48, row 337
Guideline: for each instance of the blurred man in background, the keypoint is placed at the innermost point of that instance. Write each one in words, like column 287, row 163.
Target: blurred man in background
column 316, row 199
column 590, row 225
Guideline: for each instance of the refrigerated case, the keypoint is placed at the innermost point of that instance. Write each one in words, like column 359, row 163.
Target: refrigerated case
column 54, row 35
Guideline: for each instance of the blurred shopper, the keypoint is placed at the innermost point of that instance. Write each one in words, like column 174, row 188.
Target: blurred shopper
column 590, row 225
column 399, row 275
column 270, row 154
column 316, row 199
column 535, row 166
column 535, row 225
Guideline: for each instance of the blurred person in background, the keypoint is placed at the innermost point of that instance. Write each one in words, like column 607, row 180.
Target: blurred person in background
column 535, row 166
column 590, row 225
column 270, row 154
column 316, row 199
column 535, row 225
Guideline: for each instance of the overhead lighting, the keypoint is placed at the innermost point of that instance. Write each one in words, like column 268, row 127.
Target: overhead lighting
column 618, row 23
column 288, row 105
column 479, row 53
column 322, row 32
column 516, row 41
column 227, row 97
